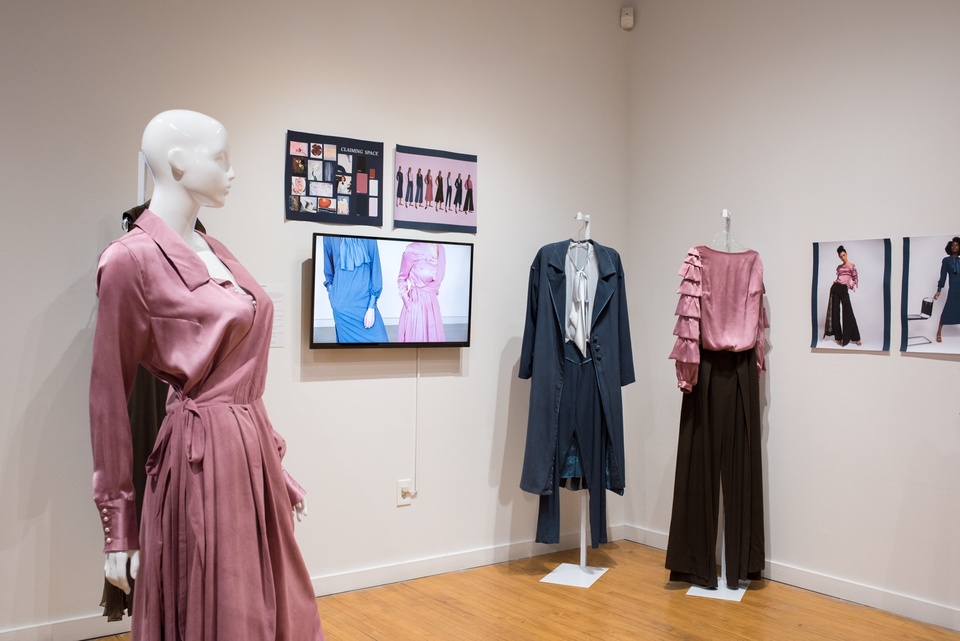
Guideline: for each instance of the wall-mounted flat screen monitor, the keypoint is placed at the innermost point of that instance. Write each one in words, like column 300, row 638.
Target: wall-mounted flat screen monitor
column 390, row 292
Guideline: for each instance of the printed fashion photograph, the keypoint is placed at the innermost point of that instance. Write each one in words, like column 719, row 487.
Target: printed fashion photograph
column 851, row 295
column 930, row 295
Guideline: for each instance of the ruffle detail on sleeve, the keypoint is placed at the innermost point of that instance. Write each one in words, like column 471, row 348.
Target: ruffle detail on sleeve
column 688, row 306
column 686, row 349
column 687, row 328
column 689, row 288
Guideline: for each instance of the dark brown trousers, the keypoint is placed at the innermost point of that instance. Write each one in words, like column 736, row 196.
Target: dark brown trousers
column 719, row 443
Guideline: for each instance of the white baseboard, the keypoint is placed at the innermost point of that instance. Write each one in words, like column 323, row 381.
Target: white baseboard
column 904, row 605
column 93, row 626
column 912, row 607
column 89, row 627
column 441, row 564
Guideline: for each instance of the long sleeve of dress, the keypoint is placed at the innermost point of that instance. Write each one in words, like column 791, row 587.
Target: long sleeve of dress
column 120, row 340
column 943, row 275
column 376, row 274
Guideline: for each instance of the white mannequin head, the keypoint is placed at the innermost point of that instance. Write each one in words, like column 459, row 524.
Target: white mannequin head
column 189, row 156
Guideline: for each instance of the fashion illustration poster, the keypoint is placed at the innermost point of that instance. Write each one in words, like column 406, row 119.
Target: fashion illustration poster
column 850, row 301
column 435, row 190
column 333, row 180
column 930, row 295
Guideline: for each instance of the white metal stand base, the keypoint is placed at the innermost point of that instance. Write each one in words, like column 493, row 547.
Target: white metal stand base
column 721, row 592
column 578, row 576
column 574, row 575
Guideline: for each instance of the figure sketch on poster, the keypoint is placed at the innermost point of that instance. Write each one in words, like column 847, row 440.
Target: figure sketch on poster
column 468, row 200
column 354, row 280
column 841, row 323
column 399, row 186
column 458, row 196
column 428, row 181
column 449, row 199
column 438, row 201
column 408, row 200
column 422, row 269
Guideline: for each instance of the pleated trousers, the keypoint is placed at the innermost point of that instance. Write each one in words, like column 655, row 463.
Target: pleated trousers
column 719, row 444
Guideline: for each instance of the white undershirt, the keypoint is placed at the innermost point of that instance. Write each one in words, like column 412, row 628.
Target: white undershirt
column 580, row 270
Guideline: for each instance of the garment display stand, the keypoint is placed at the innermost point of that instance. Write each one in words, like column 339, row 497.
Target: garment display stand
column 582, row 575
column 723, row 241
column 721, row 592
column 578, row 576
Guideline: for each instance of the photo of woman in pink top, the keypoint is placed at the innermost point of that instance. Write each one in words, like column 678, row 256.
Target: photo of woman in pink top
column 841, row 322
column 422, row 268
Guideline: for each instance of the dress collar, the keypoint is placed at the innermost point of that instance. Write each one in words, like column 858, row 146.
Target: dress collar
column 191, row 269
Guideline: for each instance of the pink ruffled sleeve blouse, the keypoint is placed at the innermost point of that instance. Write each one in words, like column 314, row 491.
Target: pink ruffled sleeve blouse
column 720, row 308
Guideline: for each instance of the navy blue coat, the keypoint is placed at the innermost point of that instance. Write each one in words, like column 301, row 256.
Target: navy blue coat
column 541, row 359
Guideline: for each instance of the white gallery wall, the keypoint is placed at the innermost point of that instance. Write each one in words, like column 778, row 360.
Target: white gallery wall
column 537, row 90
column 810, row 121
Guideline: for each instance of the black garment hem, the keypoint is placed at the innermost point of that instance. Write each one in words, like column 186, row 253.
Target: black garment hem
column 711, row 583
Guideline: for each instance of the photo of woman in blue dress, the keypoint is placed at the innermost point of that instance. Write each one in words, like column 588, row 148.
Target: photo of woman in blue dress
column 950, row 269
column 354, row 281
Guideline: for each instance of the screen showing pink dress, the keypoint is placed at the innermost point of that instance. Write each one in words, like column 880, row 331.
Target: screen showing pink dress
column 421, row 272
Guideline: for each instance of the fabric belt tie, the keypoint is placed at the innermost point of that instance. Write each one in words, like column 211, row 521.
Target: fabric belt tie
column 193, row 436
column 185, row 418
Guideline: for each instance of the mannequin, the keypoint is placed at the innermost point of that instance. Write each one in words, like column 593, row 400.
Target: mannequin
column 157, row 307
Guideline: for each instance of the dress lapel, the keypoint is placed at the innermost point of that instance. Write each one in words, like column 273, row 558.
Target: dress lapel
column 184, row 260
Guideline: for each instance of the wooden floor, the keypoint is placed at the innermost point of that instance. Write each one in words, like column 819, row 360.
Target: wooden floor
column 632, row 601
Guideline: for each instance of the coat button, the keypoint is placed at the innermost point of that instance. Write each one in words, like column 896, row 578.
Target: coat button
column 109, row 540
column 107, row 530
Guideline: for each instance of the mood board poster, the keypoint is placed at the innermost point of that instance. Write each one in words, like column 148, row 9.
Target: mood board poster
column 333, row 180
column 850, row 302
column 930, row 295
column 435, row 190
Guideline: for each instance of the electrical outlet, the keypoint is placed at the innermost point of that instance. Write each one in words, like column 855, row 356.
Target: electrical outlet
column 404, row 494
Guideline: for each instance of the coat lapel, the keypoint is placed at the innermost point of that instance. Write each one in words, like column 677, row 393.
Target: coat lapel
column 558, row 280
column 606, row 281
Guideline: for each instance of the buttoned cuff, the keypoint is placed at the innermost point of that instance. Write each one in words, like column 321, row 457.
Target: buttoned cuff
column 118, row 520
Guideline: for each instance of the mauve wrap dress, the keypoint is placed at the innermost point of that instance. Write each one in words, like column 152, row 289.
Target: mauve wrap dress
column 421, row 274
column 219, row 560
